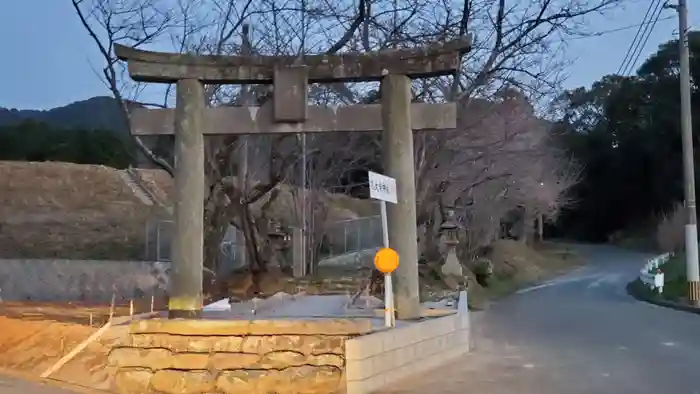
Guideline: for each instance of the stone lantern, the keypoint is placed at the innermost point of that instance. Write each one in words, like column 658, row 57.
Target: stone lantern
column 449, row 230
column 280, row 242
column 278, row 233
column 450, row 238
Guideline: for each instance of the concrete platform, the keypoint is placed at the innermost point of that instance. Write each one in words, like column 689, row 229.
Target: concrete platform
column 381, row 358
column 309, row 307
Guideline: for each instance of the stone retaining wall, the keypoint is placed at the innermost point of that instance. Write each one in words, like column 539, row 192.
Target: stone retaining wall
column 225, row 356
column 320, row 356
column 90, row 280
column 79, row 280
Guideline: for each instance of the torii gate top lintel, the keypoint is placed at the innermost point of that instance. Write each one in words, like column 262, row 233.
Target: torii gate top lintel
column 422, row 62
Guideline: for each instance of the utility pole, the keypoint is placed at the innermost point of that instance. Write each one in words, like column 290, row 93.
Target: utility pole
column 691, row 227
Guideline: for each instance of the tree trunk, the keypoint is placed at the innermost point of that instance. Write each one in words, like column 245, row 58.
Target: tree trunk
column 215, row 227
column 213, row 237
column 251, row 243
column 430, row 247
column 528, row 229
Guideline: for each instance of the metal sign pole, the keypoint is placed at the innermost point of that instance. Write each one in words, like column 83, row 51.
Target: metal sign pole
column 385, row 229
column 389, row 315
column 383, row 188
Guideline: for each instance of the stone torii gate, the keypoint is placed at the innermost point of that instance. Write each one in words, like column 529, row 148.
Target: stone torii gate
column 289, row 112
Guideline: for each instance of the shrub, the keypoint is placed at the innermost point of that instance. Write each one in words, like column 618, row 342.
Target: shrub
column 483, row 270
column 670, row 230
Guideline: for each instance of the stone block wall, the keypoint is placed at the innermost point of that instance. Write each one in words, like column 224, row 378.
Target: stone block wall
column 230, row 356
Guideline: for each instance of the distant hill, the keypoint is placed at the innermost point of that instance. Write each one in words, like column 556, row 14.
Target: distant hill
column 94, row 113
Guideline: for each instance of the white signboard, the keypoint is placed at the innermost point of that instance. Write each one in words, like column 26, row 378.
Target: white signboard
column 382, row 187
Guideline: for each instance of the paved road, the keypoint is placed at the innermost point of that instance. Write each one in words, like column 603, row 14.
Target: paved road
column 580, row 333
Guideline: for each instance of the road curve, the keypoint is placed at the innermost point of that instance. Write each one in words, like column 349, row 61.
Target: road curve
column 580, row 333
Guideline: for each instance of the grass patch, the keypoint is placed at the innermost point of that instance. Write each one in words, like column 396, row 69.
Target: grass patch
column 547, row 259
column 675, row 281
column 675, row 284
column 502, row 285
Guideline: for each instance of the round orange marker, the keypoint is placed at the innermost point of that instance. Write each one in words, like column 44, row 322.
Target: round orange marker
column 386, row 260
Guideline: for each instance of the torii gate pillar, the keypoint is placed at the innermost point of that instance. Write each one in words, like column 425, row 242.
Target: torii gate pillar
column 397, row 149
column 187, row 247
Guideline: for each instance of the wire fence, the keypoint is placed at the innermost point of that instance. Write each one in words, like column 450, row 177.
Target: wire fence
column 159, row 238
column 351, row 236
column 340, row 238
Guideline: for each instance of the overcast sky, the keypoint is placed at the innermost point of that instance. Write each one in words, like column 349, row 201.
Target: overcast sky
column 49, row 60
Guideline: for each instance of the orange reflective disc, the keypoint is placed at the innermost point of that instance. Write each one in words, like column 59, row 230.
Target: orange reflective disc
column 386, row 260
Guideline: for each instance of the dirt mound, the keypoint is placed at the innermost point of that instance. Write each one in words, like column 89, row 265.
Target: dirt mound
column 34, row 346
column 515, row 265
column 526, row 263
column 511, row 258
column 341, row 207
column 65, row 210
column 52, row 187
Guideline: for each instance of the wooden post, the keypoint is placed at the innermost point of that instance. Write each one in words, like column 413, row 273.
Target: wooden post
column 92, row 338
column 112, row 305
column 186, row 298
column 397, row 142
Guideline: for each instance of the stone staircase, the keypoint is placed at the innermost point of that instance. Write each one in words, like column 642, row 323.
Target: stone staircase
column 143, row 191
column 135, row 188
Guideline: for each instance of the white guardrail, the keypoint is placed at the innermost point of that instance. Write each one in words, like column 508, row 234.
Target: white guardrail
column 652, row 274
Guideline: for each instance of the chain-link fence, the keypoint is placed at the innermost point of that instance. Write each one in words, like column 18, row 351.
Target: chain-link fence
column 341, row 238
column 351, row 236
column 159, row 237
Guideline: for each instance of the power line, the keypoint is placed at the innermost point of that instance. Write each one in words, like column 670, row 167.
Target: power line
column 619, row 29
column 642, row 45
column 644, row 24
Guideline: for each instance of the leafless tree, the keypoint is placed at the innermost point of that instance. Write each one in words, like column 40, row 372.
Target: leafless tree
column 234, row 196
column 517, row 45
column 498, row 160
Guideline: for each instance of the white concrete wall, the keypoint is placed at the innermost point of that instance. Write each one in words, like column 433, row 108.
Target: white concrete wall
column 79, row 280
column 377, row 360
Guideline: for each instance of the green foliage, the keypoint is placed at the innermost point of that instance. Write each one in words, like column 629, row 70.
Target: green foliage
column 626, row 131
column 675, row 284
column 483, row 270
column 34, row 141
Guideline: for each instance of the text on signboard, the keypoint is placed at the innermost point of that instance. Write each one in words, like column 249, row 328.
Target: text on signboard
column 379, row 187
